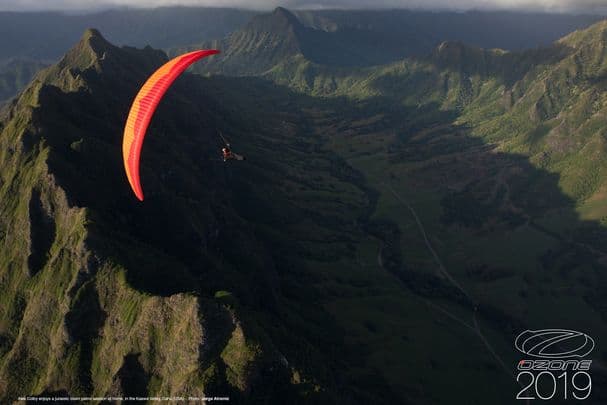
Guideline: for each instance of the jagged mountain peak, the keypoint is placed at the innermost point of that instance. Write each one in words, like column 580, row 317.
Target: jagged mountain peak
column 262, row 43
column 277, row 21
column 91, row 48
column 93, row 54
column 93, row 37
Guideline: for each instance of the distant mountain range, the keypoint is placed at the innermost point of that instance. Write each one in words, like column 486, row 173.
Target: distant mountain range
column 381, row 36
column 421, row 31
column 46, row 35
column 368, row 38
column 337, row 37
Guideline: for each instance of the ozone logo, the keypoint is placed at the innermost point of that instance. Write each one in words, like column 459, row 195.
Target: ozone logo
column 554, row 343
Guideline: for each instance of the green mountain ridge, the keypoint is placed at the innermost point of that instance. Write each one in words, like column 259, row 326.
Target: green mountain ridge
column 104, row 296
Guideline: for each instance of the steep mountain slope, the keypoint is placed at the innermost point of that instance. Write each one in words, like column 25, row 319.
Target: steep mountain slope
column 182, row 295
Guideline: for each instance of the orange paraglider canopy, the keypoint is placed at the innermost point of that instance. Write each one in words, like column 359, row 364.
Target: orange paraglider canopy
column 143, row 108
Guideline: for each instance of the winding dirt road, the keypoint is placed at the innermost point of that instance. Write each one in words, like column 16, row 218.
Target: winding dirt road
column 445, row 273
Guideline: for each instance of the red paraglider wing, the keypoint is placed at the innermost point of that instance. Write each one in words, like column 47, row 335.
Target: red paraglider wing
column 143, row 108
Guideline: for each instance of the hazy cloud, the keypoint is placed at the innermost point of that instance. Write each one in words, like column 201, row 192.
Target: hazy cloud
column 587, row 6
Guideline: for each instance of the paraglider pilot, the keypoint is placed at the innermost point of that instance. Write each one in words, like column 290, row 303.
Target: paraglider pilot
column 229, row 155
column 227, row 152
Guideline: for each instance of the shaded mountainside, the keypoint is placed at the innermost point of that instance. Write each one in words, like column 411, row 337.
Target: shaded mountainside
column 200, row 290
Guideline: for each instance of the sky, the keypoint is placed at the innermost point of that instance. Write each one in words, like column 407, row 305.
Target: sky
column 561, row 6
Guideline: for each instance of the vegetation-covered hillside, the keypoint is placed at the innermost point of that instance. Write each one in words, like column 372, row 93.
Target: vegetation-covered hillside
column 189, row 293
column 392, row 231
